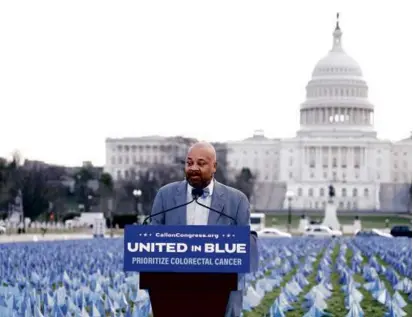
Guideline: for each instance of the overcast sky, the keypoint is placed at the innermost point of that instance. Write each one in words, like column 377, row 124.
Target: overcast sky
column 75, row 72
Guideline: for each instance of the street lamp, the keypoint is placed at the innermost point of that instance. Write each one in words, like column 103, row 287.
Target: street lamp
column 137, row 193
column 89, row 203
column 290, row 195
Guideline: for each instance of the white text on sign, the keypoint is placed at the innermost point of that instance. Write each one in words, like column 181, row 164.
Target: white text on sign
column 229, row 248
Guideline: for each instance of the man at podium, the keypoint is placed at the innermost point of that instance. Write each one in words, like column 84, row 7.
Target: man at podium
column 216, row 204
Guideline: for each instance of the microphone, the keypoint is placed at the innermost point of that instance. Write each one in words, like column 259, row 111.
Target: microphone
column 198, row 192
column 165, row 211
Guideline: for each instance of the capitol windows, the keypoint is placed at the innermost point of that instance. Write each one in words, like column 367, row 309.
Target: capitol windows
column 343, row 192
column 325, row 151
column 300, row 192
column 290, row 175
column 348, row 205
column 291, row 161
column 316, row 205
column 325, row 175
column 310, row 192
column 118, row 174
column 321, row 192
column 341, row 205
column 312, row 156
column 366, row 192
column 355, row 193
column 120, row 160
column 119, row 147
column 357, row 157
column 126, row 160
column 113, row 160
column 126, row 148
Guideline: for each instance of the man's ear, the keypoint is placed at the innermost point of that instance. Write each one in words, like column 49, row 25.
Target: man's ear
column 215, row 166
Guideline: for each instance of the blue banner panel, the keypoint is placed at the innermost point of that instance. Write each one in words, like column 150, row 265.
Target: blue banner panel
column 192, row 249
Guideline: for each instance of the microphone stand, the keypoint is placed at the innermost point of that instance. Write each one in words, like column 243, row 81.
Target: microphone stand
column 217, row 211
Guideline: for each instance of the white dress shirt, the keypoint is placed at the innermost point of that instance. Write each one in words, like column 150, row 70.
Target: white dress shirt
column 197, row 214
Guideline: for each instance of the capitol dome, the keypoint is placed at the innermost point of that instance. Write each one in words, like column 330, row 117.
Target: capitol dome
column 337, row 96
column 337, row 62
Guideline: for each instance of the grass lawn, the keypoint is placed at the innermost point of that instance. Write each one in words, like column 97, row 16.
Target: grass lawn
column 370, row 306
column 335, row 304
column 408, row 308
column 299, row 311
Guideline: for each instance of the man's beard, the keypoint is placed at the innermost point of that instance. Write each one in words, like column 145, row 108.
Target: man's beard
column 196, row 180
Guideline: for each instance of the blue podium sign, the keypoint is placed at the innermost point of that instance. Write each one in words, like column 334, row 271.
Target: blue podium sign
column 192, row 249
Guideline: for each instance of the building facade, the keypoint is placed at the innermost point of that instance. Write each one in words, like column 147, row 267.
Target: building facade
column 335, row 145
column 125, row 157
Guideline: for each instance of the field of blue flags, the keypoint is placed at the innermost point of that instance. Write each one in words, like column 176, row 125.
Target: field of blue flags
column 308, row 277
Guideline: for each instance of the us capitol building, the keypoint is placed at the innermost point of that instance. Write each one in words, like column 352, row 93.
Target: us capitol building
column 335, row 145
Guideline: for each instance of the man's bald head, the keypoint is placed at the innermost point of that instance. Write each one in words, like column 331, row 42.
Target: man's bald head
column 205, row 147
column 201, row 164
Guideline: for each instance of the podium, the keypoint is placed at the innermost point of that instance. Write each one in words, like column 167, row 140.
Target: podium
column 189, row 294
column 189, row 271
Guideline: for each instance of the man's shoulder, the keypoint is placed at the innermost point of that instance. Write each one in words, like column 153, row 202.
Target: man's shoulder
column 233, row 191
column 170, row 187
